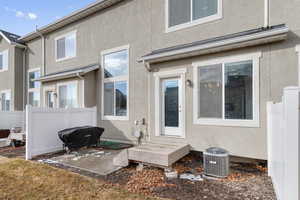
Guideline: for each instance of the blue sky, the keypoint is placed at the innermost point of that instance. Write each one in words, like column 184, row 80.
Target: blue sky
column 22, row 16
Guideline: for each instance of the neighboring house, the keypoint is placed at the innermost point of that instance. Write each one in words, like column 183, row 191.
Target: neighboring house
column 11, row 72
column 182, row 71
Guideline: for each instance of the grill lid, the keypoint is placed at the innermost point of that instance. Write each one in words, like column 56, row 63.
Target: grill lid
column 216, row 151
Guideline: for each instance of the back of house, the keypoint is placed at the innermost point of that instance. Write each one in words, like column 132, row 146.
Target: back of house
column 196, row 72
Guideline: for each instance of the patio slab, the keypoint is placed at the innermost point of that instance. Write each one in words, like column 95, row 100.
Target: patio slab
column 102, row 162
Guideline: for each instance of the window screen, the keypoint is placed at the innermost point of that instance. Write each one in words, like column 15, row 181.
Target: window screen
column 179, row 12
column 204, row 8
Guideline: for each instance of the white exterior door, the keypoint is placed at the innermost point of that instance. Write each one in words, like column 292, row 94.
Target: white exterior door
column 171, row 106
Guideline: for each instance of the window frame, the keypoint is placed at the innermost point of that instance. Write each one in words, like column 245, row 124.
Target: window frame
column 5, row 68
column 10, row 100
column 255, row 122
column 64, row 36
column 77, row 93
column 217, row 16
column 114, row 79
column 33, row 90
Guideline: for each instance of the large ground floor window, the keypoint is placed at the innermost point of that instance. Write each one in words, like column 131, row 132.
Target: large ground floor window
column 5, row 100
column 227, row 91
column 115, row 76
column 68, row 95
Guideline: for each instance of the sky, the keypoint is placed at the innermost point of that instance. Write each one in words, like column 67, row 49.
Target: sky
column 22, row 16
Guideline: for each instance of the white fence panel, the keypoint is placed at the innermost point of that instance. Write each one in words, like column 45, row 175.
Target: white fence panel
column 9, row 120
column 43, row 125
column 283, row 144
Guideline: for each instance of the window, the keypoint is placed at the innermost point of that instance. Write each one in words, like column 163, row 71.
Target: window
column 65, row 46
column 34, row 87
column 186, row 13
column 5, row 100
column 67, row 95
column 3, row 61
column 115, row 83
column 227, row 91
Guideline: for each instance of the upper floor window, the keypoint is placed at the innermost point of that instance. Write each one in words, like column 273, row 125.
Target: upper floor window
column 227, row 91
column 65, row 46
column 34, row 87
column 185, row 13
column 5, row 100
column 115, row 83
column 4, row 60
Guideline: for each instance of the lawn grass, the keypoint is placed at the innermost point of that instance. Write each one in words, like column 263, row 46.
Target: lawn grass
column 20, row 179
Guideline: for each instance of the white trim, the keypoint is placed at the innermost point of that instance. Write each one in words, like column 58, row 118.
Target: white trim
column 64, row 36
column 181, row 75
column 8, row 40
column 298, row 52
column 67, row 83
column 6, row 62
column 8, row 91
column 227, row 122
column 217, row 16
column 114, row 79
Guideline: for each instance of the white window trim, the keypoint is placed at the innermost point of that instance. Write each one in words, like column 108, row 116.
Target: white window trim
column 181, row 73
column 298, row 52
column 34, row 90
column 66, row 84
column 10, row 100
column 5, row 67
column 63, row 36
column 255, row 57
column 191, row 23
column 120, row 78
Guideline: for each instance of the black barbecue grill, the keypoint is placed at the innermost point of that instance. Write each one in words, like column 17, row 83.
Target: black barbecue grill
column 78, row 137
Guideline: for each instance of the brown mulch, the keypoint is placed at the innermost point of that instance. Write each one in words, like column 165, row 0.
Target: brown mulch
column 245, row 182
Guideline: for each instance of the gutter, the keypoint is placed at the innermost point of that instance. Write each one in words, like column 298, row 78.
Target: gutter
column 267, row 13
column 276, row 34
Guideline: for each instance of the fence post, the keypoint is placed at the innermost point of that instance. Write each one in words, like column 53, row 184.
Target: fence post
column 291, row 141
column 28, row 132
column 269, row 135
column 94, row 114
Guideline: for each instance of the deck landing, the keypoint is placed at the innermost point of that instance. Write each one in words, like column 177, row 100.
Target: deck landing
column 163, row 155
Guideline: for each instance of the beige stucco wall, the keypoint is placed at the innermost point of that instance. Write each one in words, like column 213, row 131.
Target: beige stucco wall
column 12, row 78
column 141, row 24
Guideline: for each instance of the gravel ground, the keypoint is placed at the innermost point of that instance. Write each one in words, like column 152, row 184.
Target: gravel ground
column 246, row 181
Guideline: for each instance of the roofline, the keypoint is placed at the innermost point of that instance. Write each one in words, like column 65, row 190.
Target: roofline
column 73, row 17
column 218, row 44
column 68, row 74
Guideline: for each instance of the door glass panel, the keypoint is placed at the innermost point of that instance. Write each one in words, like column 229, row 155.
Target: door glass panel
column 50, row 99
column 171, row 103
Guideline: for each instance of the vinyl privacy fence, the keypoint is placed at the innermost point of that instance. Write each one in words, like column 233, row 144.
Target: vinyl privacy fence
column 9, row 120
column 283, row 144
column 43, row 124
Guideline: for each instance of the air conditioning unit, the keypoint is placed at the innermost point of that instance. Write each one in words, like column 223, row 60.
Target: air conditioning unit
column 216, row 162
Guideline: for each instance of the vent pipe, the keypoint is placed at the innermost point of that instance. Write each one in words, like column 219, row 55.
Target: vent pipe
column 267, row 14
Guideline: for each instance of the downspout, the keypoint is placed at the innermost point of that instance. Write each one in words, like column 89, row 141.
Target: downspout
column 43, row 52
column 83, row 85
column 267, row 14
